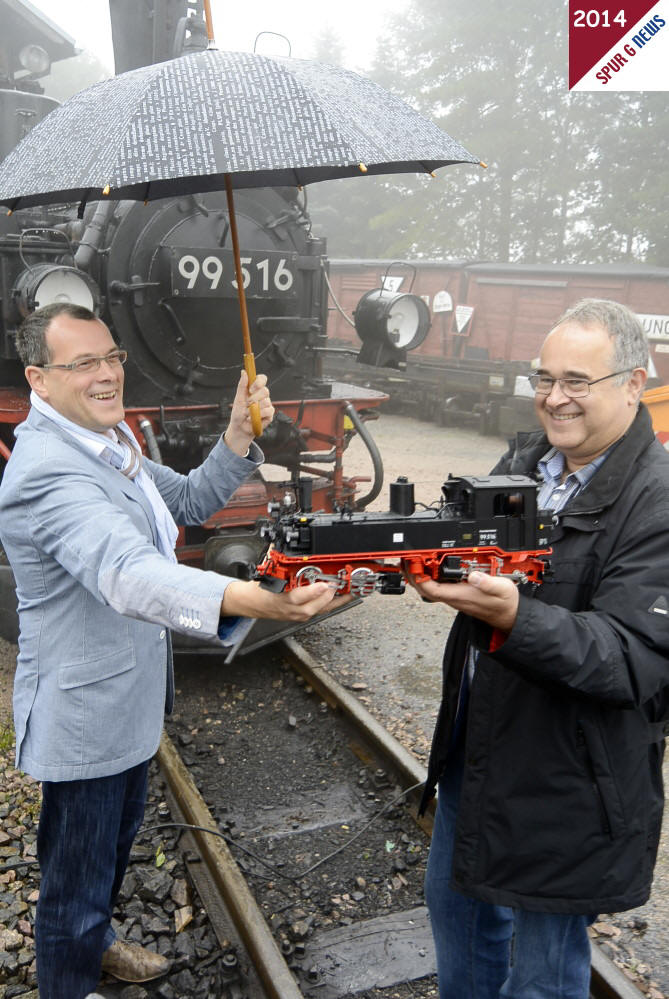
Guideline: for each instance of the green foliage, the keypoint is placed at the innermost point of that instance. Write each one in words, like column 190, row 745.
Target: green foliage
column 6, row 738
column 328, row 47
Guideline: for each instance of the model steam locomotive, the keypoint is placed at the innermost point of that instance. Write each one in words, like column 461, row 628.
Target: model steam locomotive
column 487, row 523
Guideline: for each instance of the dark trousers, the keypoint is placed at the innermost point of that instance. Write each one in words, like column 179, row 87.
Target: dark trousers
column 487, row 951
column 85, row 833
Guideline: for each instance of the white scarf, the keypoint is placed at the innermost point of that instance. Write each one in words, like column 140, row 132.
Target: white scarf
column 127, row 459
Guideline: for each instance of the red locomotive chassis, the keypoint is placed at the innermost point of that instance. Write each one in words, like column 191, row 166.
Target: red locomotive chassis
column 362, row 574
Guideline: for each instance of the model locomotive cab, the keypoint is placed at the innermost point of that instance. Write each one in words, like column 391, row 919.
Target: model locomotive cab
column 487, row 523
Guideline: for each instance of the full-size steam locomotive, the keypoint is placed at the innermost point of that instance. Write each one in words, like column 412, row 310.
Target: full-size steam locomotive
column 161, row 276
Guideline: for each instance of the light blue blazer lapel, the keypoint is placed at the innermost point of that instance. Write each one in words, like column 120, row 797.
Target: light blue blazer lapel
column 107, row 473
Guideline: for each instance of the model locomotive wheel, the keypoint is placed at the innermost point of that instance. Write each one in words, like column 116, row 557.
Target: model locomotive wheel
column 363, row 581
column 308, row 574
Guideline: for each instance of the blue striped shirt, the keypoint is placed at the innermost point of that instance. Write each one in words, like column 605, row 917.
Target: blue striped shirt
column 554, row 494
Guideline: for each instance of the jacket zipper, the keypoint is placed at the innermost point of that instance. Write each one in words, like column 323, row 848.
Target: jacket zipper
column 582, row 744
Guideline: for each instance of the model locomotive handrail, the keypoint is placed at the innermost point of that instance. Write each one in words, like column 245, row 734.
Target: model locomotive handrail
column 489, row 524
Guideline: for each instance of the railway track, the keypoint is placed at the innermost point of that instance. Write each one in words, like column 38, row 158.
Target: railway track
column 300, row 907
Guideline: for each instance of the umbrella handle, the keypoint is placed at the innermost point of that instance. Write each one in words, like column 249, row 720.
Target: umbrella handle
column 256, row 419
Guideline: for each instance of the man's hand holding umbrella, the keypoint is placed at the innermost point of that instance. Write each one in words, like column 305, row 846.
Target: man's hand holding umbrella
column 250, row 599
column 240, row 431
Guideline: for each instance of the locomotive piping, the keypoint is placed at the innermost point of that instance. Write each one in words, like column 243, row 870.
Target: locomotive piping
column 375, row 455
column 93, row 235
column 334, row 297
column 150, row 438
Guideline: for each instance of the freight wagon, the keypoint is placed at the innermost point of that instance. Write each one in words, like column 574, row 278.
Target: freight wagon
column 487, row 324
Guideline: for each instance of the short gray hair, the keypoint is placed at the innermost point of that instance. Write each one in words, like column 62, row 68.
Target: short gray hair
column 30, row 337
column 630, row 343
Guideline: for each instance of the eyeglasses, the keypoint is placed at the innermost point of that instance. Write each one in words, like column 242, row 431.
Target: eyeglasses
column 85, row 364
column 574, row 388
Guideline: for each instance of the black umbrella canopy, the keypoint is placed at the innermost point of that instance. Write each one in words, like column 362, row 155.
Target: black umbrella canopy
column 179, row 127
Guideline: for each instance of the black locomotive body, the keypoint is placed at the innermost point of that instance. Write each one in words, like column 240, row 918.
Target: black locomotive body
column 161, row 276
column 489, row 523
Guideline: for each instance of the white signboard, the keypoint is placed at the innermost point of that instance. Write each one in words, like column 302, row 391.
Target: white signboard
column 463, row 315
column 392, row 283
column 656, row 327
column 442, row 302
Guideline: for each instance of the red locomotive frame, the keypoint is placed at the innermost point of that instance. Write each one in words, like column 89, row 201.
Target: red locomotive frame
column 362, row 573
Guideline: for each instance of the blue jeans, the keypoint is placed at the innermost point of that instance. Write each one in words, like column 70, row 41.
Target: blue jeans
column 489, row 951
column 86, row 830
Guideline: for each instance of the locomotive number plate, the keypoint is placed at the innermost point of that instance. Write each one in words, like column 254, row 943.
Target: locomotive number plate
column 210, row 273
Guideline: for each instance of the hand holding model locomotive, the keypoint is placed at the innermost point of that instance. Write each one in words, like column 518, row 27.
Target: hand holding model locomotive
column 485, row 530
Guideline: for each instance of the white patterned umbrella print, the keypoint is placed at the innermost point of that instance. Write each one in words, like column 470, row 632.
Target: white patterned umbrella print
column 215, row 118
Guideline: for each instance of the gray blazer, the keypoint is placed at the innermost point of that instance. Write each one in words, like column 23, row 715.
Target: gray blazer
column 96, row 598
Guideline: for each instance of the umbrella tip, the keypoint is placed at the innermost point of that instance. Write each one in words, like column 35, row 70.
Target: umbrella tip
column 362, row 168
column 484, row 165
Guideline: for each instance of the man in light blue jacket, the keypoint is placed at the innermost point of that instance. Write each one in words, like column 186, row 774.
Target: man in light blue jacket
column 89, row 526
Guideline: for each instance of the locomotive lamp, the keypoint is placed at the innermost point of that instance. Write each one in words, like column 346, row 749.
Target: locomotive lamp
column 43, row 284
column 390, row 324
column 35, row 60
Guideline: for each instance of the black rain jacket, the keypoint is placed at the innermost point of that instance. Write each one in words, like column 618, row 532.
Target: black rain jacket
column 562, row 796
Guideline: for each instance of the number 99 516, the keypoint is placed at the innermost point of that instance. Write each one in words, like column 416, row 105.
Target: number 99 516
column 206, row 273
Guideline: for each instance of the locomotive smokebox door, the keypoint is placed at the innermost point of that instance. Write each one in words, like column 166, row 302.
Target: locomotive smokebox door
column 173, row 301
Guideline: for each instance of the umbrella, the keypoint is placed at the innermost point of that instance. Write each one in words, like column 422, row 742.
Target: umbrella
column 210, row 119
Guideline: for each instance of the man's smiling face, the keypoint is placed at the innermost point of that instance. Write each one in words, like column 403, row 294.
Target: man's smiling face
column 584, row 428
column 92, row 399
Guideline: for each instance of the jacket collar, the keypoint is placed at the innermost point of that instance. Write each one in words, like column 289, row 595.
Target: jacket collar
column 609, row 480
column 37, row 421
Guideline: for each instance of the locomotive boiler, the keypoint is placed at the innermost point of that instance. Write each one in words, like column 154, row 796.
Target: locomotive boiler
column 161, row 276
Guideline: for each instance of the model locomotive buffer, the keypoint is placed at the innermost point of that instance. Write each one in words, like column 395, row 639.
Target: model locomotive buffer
column 485, row 523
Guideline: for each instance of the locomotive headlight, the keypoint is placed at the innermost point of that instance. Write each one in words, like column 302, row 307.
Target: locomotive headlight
column 45, row 284
column 389, row 324
column 35, row 59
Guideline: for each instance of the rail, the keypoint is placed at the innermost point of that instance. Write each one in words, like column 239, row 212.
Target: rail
column 275, row 976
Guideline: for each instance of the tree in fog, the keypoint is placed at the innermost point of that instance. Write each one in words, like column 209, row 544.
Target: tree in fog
column 571, row 177
column 494, row 79
column 628, row 217
column 69, row 76
column 328, row 47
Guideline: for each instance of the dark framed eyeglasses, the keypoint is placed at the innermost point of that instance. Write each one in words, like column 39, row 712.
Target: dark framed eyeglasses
column 574, row 388
column 84, row 364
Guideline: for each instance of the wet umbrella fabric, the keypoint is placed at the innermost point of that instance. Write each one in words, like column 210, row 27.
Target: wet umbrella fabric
column 178, row 127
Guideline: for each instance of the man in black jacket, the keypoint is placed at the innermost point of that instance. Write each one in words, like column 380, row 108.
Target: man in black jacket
column 549, row 743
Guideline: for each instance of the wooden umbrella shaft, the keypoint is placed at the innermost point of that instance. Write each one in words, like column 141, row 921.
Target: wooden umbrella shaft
column 209, row 20
column 249, row 359
column 246, row 334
